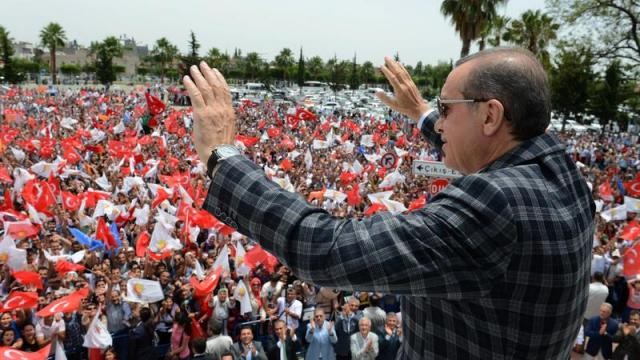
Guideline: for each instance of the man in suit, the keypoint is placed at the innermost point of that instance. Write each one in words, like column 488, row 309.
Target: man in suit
column 390, row 338
column 321, row 336
column 364, row 343
column 506, row 247
column 599, row 333
column 246, row 348
column 347, row 325
column 628, row 338
column 283, row 347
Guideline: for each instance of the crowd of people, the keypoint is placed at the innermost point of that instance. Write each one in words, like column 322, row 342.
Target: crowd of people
column 102, row 206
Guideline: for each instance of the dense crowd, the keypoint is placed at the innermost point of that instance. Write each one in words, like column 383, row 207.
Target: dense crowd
column 104, row 234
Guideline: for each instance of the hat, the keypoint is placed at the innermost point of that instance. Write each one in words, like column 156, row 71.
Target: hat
column 615, row 253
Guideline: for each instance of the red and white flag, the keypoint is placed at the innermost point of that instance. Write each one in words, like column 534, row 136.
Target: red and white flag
column 97, row 336
column 66, row 304
column 10, row 353
column 20, row 300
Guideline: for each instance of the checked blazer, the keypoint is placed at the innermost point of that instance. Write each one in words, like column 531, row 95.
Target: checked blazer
column 496, row 266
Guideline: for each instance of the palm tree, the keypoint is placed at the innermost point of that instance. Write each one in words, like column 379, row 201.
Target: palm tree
column 163, row 55
column 315, row 67
column 252, row 65
column 470, row 17
column 283, row 62
column 53, row 36
column 534, row 31
column 499, row 27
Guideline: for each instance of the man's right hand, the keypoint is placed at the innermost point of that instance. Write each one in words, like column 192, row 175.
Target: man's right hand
column 407, row 99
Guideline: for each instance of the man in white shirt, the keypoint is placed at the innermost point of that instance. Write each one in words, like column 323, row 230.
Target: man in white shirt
column 290, row 309
column 598, row 293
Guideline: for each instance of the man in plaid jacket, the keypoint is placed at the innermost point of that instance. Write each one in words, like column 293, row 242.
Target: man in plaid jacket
column 496, row 266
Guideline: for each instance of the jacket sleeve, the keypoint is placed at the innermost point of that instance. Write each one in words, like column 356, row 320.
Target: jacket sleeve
column 454, row 248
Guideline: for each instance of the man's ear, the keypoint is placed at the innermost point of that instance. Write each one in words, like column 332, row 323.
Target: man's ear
column 494, row 118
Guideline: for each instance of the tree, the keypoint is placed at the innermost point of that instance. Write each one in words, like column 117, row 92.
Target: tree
column 617, row 23
column 534, row 31
column 498, row 28
column 104, row 53
column 609, row 94
column 53, row 36
column 70, row 69
column 162, row 57
column 316, row 68
column 8, row 70
column 469, row 18
column 301, row 74
column 283, row 62
column 219, row 60
column 192, row 58
column 252, row 65
column 354, row 76
column 571, row 81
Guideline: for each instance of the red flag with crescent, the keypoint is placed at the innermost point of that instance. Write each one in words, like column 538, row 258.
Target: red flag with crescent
column 10, row 353
column 20, row 300
column 65, row 304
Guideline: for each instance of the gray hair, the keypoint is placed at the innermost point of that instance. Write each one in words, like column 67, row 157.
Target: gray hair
column 515, row 77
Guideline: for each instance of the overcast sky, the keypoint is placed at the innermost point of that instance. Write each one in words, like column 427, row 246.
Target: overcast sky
column 372, row 29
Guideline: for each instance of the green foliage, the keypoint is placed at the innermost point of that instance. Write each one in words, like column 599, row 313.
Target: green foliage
column 470, row 18
column 52, row 37
column 535, row 31
column 572, row 81
column 283, row 64
column 104, row 53
column 71, row 69
column 8, row 70
column 162, row 57
column 192, row 58
column 300, row 69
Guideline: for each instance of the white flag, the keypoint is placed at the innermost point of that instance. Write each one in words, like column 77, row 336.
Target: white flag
column 68, row 123
column 104, row 183
column 98, row 336
column 632, row 204
column 142, row 215
column 60, row 354
column 198, row 271
column 242, row 294
column 241, row 268
column 43, row 168
column 320, row 144
column 118, row 128
column 335, row 195
column 617, row 213
column 379, row 196
column 106, row 207
column 367, row 140
column 130, row 182
column 18, row 154
column 142, row 290
column 222, row 260
column 161, row 240
column 308, row 160
column 394, row 207
column 392, row 179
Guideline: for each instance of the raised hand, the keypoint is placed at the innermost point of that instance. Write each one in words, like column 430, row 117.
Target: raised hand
column 407, row 99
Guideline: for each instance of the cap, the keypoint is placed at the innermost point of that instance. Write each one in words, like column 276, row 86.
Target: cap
column 615, row 253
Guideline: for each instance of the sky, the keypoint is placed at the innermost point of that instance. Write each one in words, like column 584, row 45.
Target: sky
column 372, row 29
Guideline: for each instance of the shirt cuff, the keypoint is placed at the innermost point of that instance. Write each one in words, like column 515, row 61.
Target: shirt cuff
column 424, row 116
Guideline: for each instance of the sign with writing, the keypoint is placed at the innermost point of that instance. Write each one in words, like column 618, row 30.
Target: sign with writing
column 437, row 185
column 433, row 168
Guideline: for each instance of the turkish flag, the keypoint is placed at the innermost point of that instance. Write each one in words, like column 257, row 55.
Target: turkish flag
column 204, row 220
column 20, row 300
column 155, row 105
column 374, row 208
column 304, row 114
column 71, row 155
column 65, row 304
column 28, row 278
column 605, row 191
column 64, row 267
column 159, row 256
column 347, row 177
column 161, row 195
column 353, row 196
column 142, row 243
column 633, row 188
column 4, row 175
column 632, row 261
column 70, row 201
column 261, row 124
column 418, row 203
column 103, row 233
column 54, row 184
column 631, row 231
column 10, row 353
column 248, row 141
column 257, row 255
column 93, row 196
column 274, row 132
column 206, row 286
column 286, row 164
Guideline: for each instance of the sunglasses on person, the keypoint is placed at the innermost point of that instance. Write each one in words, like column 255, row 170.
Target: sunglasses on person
column 443, row 104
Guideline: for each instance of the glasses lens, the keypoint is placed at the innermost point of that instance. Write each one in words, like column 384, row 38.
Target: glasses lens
column 441, row 107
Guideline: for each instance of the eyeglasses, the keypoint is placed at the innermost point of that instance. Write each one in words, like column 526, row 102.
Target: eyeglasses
column 441, row 104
